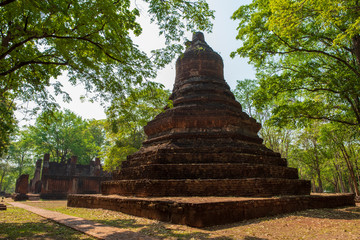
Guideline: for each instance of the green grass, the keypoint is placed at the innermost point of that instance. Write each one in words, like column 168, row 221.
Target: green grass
column 342, row 223
column 136, row 224
column 17, row 223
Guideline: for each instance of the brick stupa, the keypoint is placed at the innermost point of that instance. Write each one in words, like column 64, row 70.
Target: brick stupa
column 203, row 159
column 205, row 145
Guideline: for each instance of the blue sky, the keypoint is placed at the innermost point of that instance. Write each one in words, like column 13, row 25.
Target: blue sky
column 222, row 40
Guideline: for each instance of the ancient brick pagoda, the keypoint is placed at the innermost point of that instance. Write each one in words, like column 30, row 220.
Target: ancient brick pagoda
column 205, row 145
column 203, row 159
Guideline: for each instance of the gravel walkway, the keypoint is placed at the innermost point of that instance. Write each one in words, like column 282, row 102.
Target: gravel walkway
column 91, row 228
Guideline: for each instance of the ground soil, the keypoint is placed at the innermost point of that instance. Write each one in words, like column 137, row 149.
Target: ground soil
column 341, row 223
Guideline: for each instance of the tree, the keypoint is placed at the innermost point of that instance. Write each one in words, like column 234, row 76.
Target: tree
column 4, row 169
column 275, row 138
column 307, row 57
column 126, row 120
column 244, row 92
column 65, row 134
column 309, row 152
column 18, row 160
column 324, row 152
column 345, row 141
column 90, row 40
column 20, row 153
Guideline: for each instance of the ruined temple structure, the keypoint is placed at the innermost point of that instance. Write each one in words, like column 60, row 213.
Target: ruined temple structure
column 57, row 180
column 35, row 183
column 60, row 179
column 203, row 163
column 21, row 188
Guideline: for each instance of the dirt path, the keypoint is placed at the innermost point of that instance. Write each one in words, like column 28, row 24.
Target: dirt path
column 91, row 228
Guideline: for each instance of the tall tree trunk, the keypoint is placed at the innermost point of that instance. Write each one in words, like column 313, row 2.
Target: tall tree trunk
column 317, row 166
column 2, row 178
column 351, row 170
column 356, row 47
column 318, row 174
column 320, row 188
column 336, row 183
column 340, row 177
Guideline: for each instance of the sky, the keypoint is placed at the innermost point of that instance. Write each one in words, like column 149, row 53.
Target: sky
column 222, row 40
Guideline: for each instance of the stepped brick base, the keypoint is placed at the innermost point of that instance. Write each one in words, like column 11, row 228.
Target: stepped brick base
column 33, row 197
column 2, row 206
column 209, row 211
column 20, row 197
column 250, row 187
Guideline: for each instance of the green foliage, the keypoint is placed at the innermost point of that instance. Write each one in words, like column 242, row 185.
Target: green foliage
column 308, row 153
column 20, row 153
column 5, row 168
column 7, row 122
column 324, row 152
column 91, row 41
column 307, row 57
column 126, row 119
column 276, row 138
column 244, row 92
column 18, row 160
column 64, row 134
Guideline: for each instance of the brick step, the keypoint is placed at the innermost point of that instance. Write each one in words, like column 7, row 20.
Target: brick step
column 190, row 147
column 209, row 211
column 203, row 144
column 188, row 158
column 195, row 122
column 2, row 206
column 254, row 187
column 33, row 197
column 205, row 171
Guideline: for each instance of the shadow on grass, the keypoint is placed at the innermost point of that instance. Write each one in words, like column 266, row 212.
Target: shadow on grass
column 121, row 223
column 160, row 231
column 254, row 238
column 343, row 213
column 38, row 230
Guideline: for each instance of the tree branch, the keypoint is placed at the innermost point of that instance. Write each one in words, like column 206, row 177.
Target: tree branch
column 6, row 2
column 355, row 109
column 90, row 41
column 295, row 49
column 13, row 47
column 330, row 119
column 16, row 67
column 314, row 89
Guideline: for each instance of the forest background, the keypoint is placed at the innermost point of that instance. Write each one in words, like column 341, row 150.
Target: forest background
column 303, row 86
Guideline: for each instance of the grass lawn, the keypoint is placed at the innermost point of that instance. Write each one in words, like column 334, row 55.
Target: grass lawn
column 342, row 223
column 17, row 223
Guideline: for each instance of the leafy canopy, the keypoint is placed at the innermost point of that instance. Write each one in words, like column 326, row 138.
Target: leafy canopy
column 65, row 134
column 90, row 40
column 307, row 57
column 126, row 119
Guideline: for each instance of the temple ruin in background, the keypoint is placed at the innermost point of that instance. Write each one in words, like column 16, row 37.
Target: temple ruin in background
column 56, row 180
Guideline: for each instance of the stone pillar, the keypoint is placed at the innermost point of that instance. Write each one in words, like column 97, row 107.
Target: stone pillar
column 36, row 176
column 22, row 184
column 46, row 165
column 73, row 165
column 92, row 168
column 21, row 188
column 97, row 167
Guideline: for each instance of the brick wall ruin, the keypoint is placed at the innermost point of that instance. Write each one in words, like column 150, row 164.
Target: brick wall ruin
column 55, row 180
column 60, row 179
